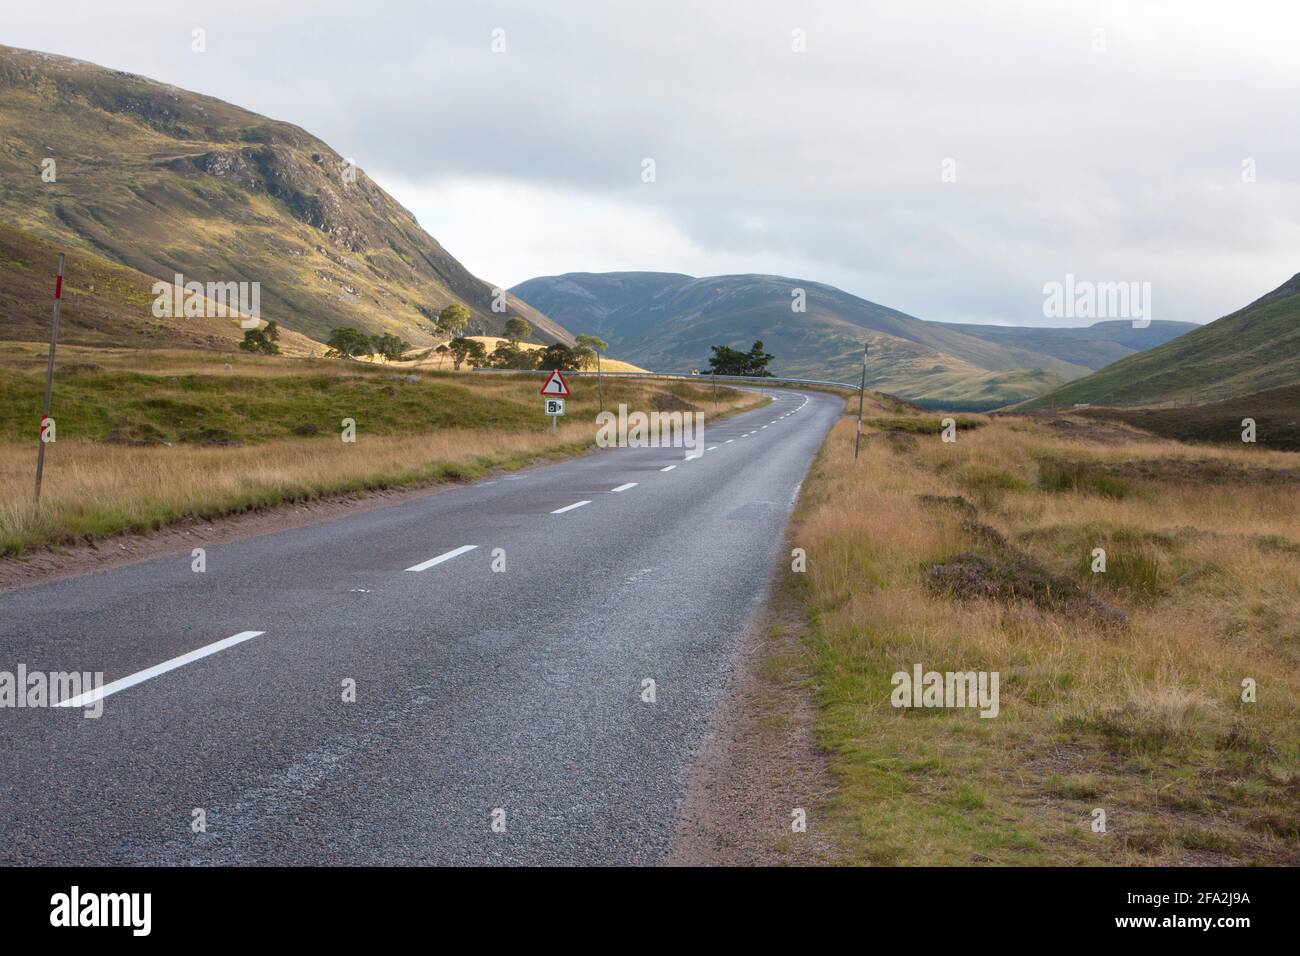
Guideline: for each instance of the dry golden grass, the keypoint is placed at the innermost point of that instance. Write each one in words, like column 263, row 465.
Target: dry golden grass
column 1144, row 721
column 96, row 489
column 93, row 488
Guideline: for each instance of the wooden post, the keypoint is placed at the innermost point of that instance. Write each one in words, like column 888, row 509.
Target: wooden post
column 862, row 391
column 49, row 379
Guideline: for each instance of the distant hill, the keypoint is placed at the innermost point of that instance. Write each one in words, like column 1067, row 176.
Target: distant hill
column 1252, row 350
column 164, row 181
column 668, row 321
column 1094, row 346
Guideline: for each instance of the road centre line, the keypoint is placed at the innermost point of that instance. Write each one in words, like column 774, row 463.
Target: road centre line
column 669, row 468
column 630, row 484
column 139, row 677
column 446, row 556
column 576, row 504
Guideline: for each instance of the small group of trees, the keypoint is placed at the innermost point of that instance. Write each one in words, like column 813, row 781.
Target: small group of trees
column 350, row 343
column 263, row 341
column 728, row 361
column 345, row 342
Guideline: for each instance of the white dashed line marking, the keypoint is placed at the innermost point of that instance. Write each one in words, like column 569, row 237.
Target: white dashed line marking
column 669, row 468
column 576, row 504
column 728, row 441
column 455, row 553
column 714, row 448
column 630, row 484
column 139, row 677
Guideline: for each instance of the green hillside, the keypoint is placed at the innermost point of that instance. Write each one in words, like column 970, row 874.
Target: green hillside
column 166, row 181
column 1251, row 350
column 104, row 304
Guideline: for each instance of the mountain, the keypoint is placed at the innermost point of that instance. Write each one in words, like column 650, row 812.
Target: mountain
column 1254, row 349
column 165, row 181
column 668, row 321
column 1094, row 346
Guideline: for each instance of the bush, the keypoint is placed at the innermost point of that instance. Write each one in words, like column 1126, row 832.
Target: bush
column 1007, row 576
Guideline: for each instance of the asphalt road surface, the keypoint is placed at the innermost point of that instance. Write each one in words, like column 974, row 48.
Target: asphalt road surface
column 510, row 697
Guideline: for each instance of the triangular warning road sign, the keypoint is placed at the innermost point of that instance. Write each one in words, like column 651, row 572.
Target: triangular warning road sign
column 556, row 385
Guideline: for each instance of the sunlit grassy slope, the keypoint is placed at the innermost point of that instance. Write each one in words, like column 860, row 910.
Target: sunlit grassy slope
column 164, row 180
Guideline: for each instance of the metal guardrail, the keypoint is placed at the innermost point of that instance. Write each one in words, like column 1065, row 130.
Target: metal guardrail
column 683, row 376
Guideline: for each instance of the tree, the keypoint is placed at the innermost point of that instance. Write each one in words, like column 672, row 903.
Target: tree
column 595, row 345
column 509, row 355
column 452, row 320
column 390, row 347
column 466, row 350
column 262, row 340
column 756, row 361
column 517, row 329
column 346, row 342
column 728, row 361
column 559, row 356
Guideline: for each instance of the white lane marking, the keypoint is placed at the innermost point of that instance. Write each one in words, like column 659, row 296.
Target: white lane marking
column 714, row 448
column 139, row 677
column 764, row 426
column 576, row 504
column 746, row 435
column 669, row 468
column 728, row 441
column 691, row 457
column 630, row 484
column 455, row 553
column 515, row 477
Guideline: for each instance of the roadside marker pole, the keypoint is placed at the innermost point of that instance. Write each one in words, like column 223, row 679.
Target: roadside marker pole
column 49, row 379
column 862, row 391
column 600, row 382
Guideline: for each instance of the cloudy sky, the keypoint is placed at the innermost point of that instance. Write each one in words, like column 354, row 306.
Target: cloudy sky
column 1109, row 140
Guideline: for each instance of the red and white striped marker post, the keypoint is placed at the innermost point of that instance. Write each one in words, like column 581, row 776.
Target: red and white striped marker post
column 49, row 379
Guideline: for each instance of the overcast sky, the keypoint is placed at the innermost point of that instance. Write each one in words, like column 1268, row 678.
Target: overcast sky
column 1101, row 139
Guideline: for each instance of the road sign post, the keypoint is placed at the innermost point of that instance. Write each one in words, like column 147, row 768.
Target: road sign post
column 49, row 379
column 556, row 390
column 554, row 408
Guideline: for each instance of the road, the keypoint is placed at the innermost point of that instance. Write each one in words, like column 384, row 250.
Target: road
column 482, row 696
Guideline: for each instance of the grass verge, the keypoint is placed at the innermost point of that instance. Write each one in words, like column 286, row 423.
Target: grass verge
column 1121, row 690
